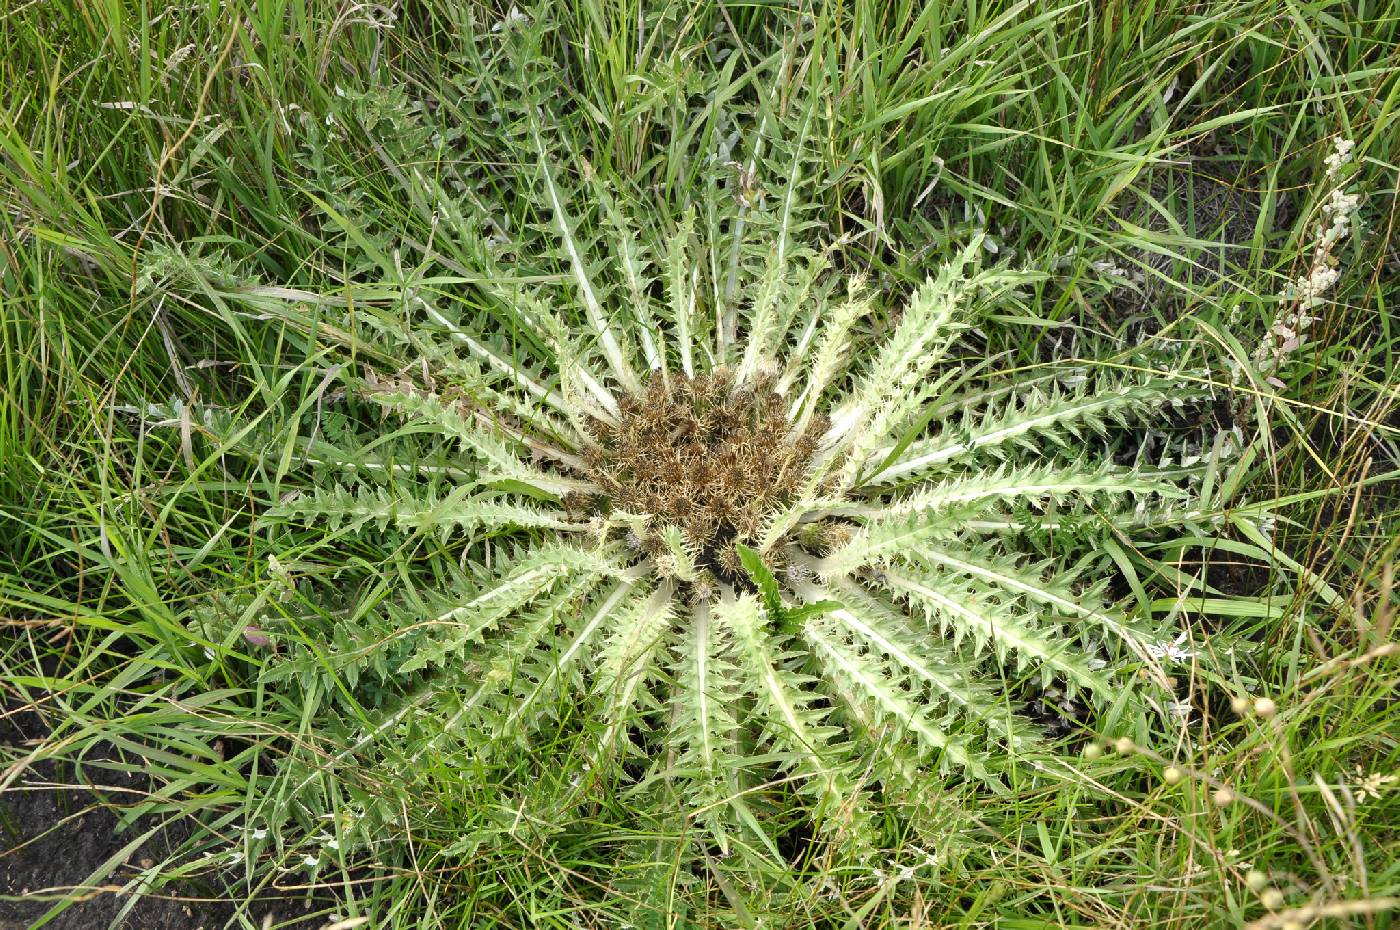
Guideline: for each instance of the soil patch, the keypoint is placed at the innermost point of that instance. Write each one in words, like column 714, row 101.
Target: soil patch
column 60, row 826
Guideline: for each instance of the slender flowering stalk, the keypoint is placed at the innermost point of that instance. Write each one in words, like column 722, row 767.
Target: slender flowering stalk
column 1309, row 291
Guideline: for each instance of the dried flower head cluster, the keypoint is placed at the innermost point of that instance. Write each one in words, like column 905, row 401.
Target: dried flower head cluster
column 706, row 454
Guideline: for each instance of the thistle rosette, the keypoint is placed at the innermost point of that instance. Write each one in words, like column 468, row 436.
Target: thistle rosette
column 775, row 535
column 738, row 525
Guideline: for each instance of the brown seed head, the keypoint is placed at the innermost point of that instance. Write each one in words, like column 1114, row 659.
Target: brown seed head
column 706, row 456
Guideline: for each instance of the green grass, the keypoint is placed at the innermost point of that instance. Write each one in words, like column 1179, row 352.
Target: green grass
column 158, row 163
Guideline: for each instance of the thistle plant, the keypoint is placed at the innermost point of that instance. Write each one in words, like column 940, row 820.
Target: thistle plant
column 737, row 517
column 766, row 533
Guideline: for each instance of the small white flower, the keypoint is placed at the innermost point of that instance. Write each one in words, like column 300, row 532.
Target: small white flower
column 311, row 861
column 511, row 20
column 1171, row 651
column 1105, row 267
column 1339, row 156
column 259, row 834
column 1372, row 785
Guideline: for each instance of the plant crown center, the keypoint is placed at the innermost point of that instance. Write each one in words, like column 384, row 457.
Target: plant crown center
column 707, row 455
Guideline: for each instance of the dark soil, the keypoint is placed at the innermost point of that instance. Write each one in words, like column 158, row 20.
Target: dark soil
column 59, row 824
